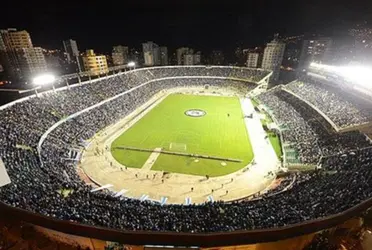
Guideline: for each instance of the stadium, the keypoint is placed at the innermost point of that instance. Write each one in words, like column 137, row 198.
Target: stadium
column 200, row 156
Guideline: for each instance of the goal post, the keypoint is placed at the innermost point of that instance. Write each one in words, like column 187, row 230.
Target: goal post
column 177, row 147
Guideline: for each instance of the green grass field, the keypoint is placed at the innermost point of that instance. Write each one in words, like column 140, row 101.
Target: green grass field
column 215, row 134
column 274, row 139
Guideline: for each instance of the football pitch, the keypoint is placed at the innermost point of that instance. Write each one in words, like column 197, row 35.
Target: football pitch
column 190, row 124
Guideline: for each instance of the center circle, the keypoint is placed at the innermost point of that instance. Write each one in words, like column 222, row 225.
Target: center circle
column 195, row 112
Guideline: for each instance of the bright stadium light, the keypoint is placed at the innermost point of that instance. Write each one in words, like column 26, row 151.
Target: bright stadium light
column 131, row 64
column 313, row 64
column 357, row 74
column 319, row 66
column 44, row 79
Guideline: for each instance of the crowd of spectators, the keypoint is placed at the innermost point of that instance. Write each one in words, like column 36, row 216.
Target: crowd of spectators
column 35, row 186
column 254, row 75
column 295, row 129
column 304, row 128
column 332, row 102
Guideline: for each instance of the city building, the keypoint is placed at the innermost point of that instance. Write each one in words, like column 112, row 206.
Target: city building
column 156, row 53
column 163, row 56
column 72, row 54
column 136, row 57
column 189, row 59
column 292, row 51
column 148, row 58
column 217, row 57
column 181, row 52
column 120, row 55
column 96, row 64
column 186, row 56
column 273, row 57
column 55, row 61
column 71, row 50
column 21, row 60
column 148, row 53
column 252, row 59
column 16, row 39
column 197, row 58
column 314, row 50
column 151, row 54
column 239, row 56
column 8, row 55
column 291, row 57
column 32, row 60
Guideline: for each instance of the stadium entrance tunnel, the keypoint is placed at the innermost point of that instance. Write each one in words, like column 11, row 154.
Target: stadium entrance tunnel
column 195, row 112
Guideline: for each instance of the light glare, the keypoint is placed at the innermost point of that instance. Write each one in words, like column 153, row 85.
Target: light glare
column 357, row 75
column 131, row 64
column 44, row 79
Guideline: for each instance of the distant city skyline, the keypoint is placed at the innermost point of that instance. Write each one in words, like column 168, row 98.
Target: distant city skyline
column 202, row 26
column 159, row 34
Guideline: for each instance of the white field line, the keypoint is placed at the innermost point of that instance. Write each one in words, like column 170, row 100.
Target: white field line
column 152, row 159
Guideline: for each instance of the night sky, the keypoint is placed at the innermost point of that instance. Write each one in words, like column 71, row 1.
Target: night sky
column 203, row 26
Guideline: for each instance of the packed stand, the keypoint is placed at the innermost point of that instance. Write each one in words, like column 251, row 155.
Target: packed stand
column 253, row 75
column 295, row 129
column 328, row 140
column 34, row 185
column 342, row 108
column 304, row 128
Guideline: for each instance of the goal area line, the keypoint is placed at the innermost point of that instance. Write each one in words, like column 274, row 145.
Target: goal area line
column 179, row 154
column 177, row 146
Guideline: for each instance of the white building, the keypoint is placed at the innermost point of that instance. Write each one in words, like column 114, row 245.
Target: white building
column 95, row 64
column 149, row 58
column 18, row 56
column 273, row 57
column 151, row 54
column 32, row 61
column 148, row 53
column 252, row 59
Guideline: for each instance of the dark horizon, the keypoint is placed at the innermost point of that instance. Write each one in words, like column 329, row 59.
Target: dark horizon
column 202, row 26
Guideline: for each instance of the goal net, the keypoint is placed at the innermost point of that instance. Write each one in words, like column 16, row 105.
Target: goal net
column 178, row 147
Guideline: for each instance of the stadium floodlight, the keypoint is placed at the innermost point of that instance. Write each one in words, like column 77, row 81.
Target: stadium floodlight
column 313, row 64
column 44, row 79
column 131, row 64
column 324, row 67
column 357, row 75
